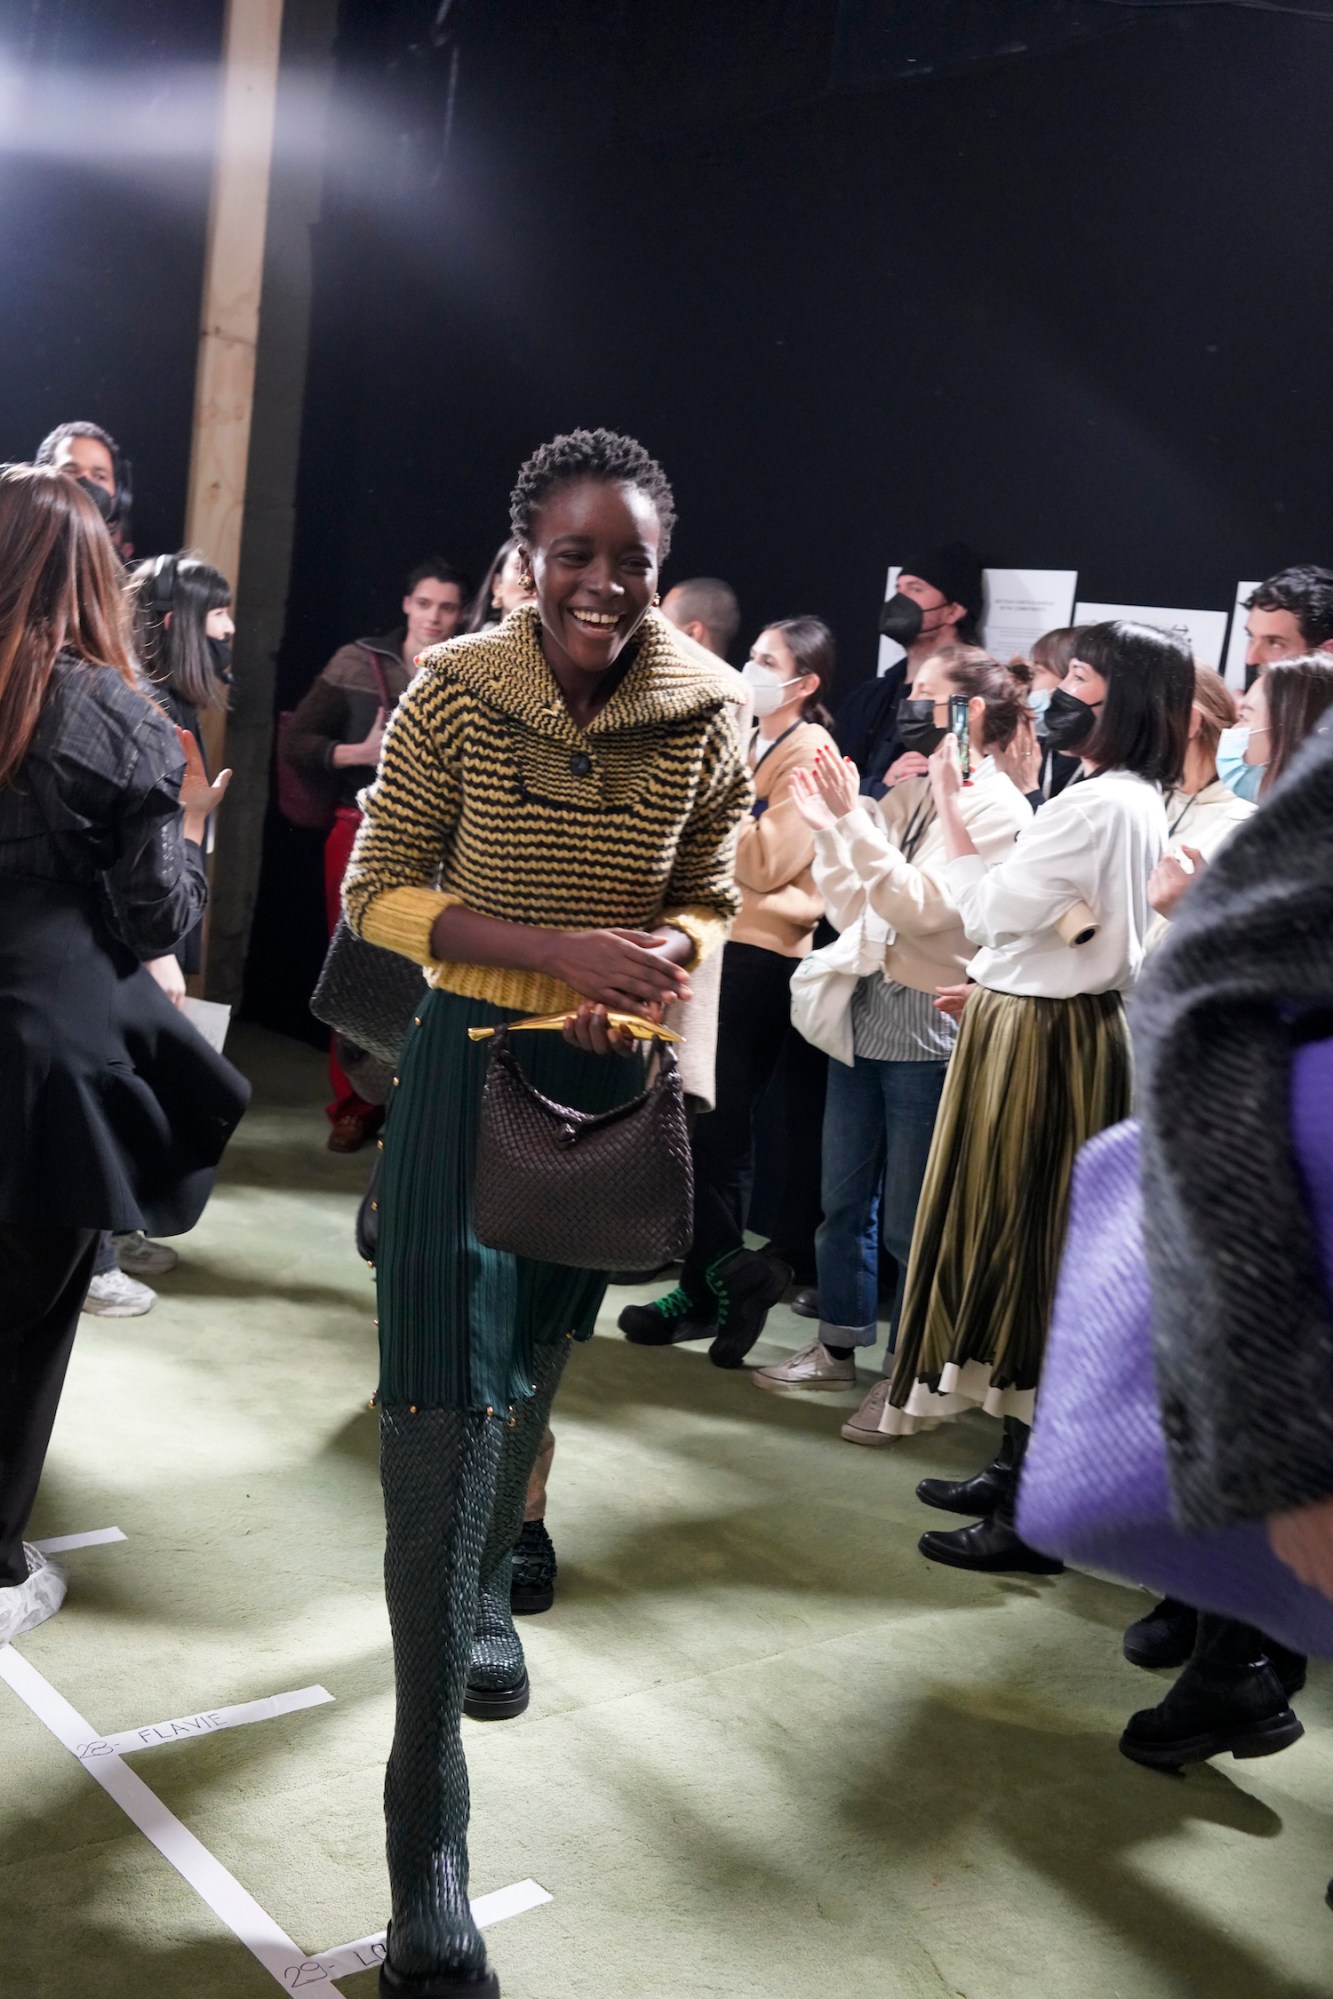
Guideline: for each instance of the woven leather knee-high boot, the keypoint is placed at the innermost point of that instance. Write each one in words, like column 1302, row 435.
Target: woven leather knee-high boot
column 438, row 1471
column 497, row 1677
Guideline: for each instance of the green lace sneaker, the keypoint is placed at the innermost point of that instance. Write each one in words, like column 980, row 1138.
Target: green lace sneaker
column 678, row 1316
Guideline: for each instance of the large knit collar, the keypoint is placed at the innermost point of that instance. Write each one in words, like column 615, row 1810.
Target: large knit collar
column 507, row 669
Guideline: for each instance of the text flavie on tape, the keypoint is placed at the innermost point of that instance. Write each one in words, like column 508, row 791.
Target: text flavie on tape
column 209, row 1722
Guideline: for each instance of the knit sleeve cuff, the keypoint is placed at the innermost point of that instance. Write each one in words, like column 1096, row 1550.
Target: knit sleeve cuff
column 706, row 930
column 401, row 920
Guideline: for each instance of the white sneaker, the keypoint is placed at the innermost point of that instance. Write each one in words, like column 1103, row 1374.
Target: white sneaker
column 813, row 1367
column 863, row 1427
column 139, row 1257
column 23, row 1606
column 113, row 1295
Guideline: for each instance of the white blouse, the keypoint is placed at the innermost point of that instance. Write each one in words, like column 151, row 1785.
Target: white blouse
column 1204, row 820
column 1097, row 843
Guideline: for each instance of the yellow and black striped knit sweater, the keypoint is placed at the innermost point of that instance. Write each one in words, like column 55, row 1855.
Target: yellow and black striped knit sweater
column 489, row 795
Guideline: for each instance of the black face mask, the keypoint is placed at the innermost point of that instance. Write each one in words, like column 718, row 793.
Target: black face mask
column 1069, row 721
column 901, row 619
column 103, row 501
column 917, row 725
column 219, row 651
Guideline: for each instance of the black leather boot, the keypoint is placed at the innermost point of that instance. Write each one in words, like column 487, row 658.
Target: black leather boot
column 438, row 1469
column 995, row 1546
column 1228, row 1701
column 746, row 1284
column 497, row 1680
column 973, row 1497
column 992, row 1547
column 1165, row 1637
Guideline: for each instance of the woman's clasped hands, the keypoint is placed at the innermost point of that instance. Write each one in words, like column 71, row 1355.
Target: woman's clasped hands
column 620, row 971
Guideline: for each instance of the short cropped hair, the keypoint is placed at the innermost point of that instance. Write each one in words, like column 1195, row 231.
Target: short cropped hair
column 1307, row 592
column 443, row 572
column 708, row 601
column 590, row 454
column 1145, row 719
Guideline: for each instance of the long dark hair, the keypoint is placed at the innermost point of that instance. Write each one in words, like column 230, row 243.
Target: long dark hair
column 1144, row 724
column 482, row 612
column 810, row 643
column 1299, row 691
column 60, row 591
column 170, row 598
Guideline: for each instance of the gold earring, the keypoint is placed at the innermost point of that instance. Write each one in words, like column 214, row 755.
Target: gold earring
column 657, row 598
column 525, row 580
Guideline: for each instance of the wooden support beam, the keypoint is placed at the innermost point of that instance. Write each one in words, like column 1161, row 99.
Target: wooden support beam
column 233, row 286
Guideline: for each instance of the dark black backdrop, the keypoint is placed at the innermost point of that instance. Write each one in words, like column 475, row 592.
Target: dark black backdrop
column 1071, row 305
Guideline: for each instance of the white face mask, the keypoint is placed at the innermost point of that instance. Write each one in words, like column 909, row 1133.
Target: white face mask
column 768, row 689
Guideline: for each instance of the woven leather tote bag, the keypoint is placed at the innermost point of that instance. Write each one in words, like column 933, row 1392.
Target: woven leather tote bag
column 612, row 1190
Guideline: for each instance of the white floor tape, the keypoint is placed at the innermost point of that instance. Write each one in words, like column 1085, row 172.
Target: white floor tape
column 210, row 1880
column 98, row 1538
column 103, row 1760
column 369, row 1951
column 208, row 1723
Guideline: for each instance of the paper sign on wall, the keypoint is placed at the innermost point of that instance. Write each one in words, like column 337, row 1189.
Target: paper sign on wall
column 1021, row 604
column 890, row 652
column 1203, row 631
column 1239, row 643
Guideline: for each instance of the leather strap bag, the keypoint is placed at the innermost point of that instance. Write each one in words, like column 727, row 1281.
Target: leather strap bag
column 611, row 1190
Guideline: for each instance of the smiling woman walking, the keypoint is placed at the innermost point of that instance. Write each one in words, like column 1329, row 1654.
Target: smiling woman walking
column 552, row 830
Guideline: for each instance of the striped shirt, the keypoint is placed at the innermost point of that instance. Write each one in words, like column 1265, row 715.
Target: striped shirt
column 893, row 1023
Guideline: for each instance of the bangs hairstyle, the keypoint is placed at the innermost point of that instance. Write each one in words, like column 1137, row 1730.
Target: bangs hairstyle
column 60, row 591
column 1144, row 722
column 175, row 655
column 810, row 643
column 1300, row 692
column 1003, row 689
column 1055, row 649
column 603, row 455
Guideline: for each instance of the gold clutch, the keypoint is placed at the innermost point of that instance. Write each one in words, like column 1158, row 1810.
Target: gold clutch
column 634, row 1023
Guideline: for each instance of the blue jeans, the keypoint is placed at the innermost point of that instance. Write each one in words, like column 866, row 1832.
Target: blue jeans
column 879, row 1118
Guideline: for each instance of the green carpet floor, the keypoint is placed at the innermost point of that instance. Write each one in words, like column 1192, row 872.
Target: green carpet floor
column 772, row 1754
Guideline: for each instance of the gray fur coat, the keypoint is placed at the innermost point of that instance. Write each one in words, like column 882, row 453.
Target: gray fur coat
column 1242, row 1321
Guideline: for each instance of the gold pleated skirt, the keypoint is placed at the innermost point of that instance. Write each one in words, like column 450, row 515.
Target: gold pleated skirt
column 1030, row 1081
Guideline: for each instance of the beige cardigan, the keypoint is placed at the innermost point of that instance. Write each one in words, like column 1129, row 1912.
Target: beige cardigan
column 860, row 860
column 775, row 852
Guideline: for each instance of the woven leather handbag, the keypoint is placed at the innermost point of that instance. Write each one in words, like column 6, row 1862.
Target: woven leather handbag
column 367, row 995
column 611, row 1190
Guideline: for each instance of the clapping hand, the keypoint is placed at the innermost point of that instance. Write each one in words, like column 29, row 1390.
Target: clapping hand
column 839, row 782
column 1170, row 879
column 1020, row 759
column 198, row 796
column 809, row 801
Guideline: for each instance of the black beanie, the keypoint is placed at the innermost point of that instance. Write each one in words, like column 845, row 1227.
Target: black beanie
column 955, row 571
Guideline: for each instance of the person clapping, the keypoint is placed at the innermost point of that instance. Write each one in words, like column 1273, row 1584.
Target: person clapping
column 1042, row 1061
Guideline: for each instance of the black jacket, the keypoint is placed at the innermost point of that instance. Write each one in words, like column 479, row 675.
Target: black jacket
column 115, row 1110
